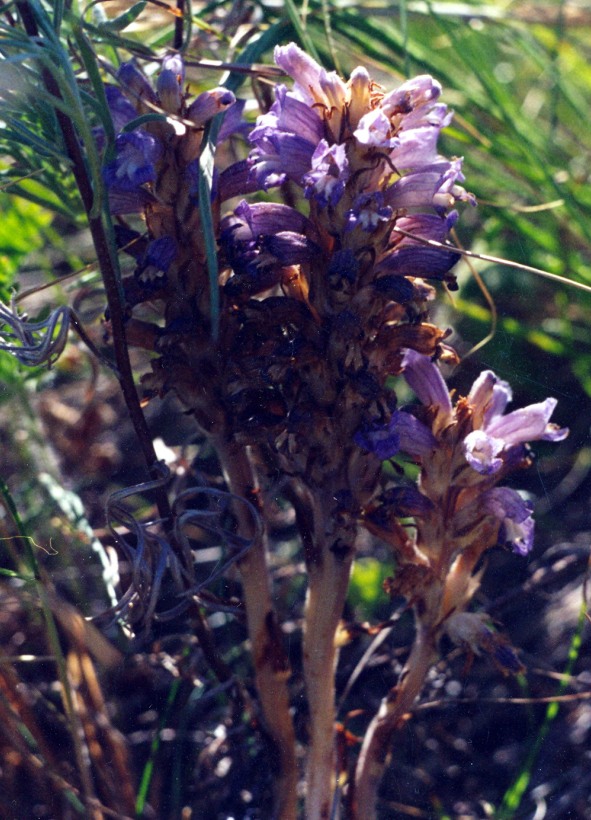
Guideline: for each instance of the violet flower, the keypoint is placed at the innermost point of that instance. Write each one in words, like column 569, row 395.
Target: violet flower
column 134, row 165
column 486, row 448
column 517, row 524
column 378, row 132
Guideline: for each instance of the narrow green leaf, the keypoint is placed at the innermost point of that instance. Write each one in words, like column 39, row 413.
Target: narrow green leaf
column 302, row 34
column 138, row 121
column 126, row 19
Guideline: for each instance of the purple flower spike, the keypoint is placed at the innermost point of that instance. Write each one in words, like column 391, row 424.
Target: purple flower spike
column 424, row 378
column 365, row 159
column 517, row 525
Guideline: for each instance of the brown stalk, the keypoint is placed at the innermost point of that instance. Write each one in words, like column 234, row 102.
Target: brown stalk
column 271, row 666
column 328, row 582
column 376, row 749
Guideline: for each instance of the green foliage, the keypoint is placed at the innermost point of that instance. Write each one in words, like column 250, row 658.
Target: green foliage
column 366, row 592
column 23, row 229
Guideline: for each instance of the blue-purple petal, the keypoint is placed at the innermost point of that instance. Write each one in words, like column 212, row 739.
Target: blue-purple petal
column 415, row 439
column 424, row 378
column 517, row 524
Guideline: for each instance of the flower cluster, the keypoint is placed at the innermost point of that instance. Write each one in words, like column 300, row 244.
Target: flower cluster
column 464, row 450
column 367, row 163
column 154, row 170
column 337, row 286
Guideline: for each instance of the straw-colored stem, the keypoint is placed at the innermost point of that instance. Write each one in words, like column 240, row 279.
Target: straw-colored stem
column 270, row 661
column 328, row 579
column 375, row 751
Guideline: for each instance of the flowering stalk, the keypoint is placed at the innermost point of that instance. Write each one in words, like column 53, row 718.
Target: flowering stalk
column 329, row 558
column 155, row 172
column 458, row 513
column 366, row 162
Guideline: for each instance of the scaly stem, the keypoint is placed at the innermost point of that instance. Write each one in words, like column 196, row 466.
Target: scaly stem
column 271, row 665
column 326, row 597
column 375, row 751
column 328, row 581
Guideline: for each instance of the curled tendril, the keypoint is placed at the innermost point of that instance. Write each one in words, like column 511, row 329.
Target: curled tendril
column 34, row 343
column 215, row 519
column 37, row 343
column 150, row 554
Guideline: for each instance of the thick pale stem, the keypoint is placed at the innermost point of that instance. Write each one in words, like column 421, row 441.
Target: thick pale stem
column 270, row 662
column 328, row 583
column 375, row 750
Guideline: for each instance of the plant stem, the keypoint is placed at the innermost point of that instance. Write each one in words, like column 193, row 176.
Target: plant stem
column 271, row 665
column 375, row 751
column 326, row 597
column 328, row 582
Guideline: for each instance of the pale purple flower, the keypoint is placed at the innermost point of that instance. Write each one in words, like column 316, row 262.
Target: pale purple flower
column 368, row 211
column 169, row 84
column 210, row 103
column 515, row 515
column 330, row 172
column 375, row 131
column 313, row 84
column 487, row 446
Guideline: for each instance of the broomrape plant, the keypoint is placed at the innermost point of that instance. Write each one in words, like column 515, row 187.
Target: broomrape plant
column 332, row 237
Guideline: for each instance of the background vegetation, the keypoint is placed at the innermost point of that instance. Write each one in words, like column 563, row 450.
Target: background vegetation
column 140, row 725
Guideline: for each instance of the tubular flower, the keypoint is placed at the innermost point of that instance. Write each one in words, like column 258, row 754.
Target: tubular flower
column 498, row 433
